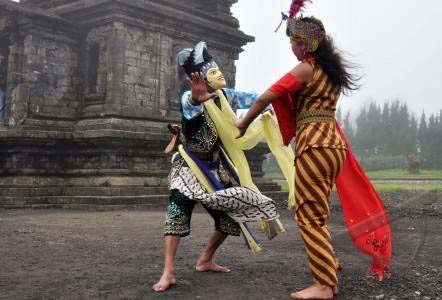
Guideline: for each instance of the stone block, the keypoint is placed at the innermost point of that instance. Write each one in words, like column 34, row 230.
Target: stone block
column 80, row 152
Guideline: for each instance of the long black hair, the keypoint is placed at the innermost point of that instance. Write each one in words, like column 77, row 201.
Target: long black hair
column 333, row 64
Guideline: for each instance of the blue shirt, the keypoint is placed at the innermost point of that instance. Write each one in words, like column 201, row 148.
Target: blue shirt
column 237, row 100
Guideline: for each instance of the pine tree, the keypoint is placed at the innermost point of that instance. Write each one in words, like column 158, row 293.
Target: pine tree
column 438, row 143
column 404, row 140
column 433, row 143
column 348, row 128
column 386, row 131
column 422, row 135
column 422, row 124
column 392, row 130
column 339, row 115
column 360, row 140
column 412, row 136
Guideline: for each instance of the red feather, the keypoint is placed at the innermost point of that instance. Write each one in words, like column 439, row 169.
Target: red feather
column 297, row 6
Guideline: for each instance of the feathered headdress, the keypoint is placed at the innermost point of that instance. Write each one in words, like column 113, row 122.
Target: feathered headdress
column 197, row 59
column 296, row 7
column 309, row 30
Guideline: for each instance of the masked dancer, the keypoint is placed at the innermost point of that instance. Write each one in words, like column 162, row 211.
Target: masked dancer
column 205, row 170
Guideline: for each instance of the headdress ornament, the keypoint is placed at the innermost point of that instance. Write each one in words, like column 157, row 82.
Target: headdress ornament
column 310, row 33
column 197, row 59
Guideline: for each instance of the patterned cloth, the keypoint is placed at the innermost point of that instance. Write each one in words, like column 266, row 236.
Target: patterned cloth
column 190, row 111
column 179, row 214
column 320, row 155
column 316, row 97
column 200, row 134
column 201, row 145
column 368, row 223
column 316, row 170
column 201, row 138
column 181, row 204
column 241, row 204
column 240, row 100
column 308, row 32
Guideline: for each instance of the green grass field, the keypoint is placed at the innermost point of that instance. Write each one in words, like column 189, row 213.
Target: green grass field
column 392, row 187
column 389, row 187
column 405, row 175
column 394, row 174
column 386, row 175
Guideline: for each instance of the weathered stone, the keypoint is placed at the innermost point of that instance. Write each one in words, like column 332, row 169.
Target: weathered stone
column 91, row 86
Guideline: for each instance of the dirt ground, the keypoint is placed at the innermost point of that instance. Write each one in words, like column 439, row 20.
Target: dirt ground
column 56, row 254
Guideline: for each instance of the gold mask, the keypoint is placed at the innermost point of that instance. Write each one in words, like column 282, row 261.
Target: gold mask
column 215, row 79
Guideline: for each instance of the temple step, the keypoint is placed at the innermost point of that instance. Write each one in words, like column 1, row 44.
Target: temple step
column 91, row 198
column 279, row 196
column 83, row 201
column 81, row 191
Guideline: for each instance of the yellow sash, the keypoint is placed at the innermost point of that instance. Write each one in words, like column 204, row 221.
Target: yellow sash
column 267, row 127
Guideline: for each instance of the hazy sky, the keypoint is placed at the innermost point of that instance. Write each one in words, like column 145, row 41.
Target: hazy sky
column 398, row 43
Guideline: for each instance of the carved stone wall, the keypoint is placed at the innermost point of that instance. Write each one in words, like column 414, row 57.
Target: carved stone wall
column 51, row 73
column 91, row 86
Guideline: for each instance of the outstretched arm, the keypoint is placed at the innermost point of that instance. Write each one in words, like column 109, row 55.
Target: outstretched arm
column 258, row 107
column 291, row 82
column 239, row 99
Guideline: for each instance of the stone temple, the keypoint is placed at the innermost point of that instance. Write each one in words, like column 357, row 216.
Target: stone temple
column 89, row 88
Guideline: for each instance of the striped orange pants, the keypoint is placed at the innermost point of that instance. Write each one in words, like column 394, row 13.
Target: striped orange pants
column 316, row 172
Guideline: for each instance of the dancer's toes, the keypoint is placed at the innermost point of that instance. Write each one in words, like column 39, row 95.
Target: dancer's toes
column 315, row 292
column 211, row 267
column 378, row 276
column 164, row 284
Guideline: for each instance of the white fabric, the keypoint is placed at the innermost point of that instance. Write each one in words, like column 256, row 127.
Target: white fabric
column 241, row 204
column 190, row 111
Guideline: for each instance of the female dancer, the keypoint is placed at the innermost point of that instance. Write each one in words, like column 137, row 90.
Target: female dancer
column 316, row 84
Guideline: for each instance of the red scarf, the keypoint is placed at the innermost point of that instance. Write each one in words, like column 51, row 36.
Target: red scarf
column 364, row 212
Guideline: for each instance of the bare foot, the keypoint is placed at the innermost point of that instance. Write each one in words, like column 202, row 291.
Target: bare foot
column 211, row 267
column 316, row 292
column 378, row 276
column 166, row 281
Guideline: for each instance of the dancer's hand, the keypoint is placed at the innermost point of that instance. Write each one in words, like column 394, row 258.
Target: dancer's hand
column 198, row 88
column 242, row 129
